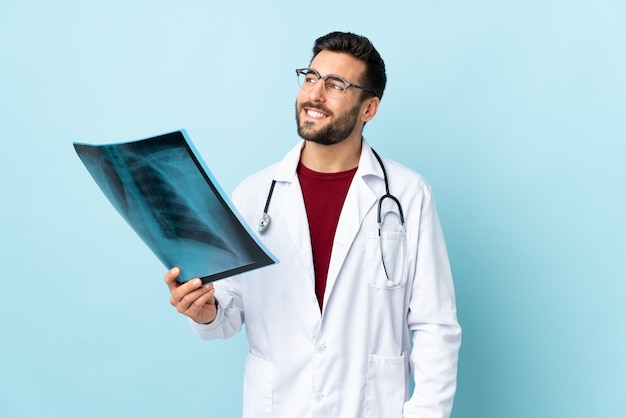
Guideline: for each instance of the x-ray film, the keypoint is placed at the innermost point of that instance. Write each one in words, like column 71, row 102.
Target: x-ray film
column 166, row 193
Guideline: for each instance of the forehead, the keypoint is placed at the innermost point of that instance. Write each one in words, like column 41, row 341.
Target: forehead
column 338, row 63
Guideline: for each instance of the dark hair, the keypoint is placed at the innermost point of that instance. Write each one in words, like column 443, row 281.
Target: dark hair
column 361, row 48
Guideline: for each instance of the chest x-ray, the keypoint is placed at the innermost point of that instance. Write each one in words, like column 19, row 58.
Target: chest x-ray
column 165, row 192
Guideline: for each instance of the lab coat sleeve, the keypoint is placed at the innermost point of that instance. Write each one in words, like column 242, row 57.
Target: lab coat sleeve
column 229, row 317
column 433, row 322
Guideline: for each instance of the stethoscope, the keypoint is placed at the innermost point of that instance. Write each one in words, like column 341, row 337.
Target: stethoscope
column 266, row 219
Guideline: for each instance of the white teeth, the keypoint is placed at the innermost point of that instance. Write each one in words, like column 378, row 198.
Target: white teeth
column 315, row 114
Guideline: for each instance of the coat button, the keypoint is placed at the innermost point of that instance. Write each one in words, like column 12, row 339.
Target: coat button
column 320, row 348
column 317, row 397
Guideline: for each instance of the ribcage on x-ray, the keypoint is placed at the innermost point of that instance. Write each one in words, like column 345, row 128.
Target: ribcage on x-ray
column 175, row 217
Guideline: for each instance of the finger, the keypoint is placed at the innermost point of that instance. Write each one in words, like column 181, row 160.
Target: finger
column 199, row 303
column 185, row 294
column 180, row 290
column 203, row 309
column 170, row 278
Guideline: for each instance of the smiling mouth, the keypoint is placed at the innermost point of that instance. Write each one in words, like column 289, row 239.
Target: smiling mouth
column 315, row 111
column 315, row 114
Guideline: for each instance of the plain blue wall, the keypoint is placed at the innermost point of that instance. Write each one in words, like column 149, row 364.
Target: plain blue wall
column 514, row 111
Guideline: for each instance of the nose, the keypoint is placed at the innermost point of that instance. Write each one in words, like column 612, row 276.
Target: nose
column 317, row 94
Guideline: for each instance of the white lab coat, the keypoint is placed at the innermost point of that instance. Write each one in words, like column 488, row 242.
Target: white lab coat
column 353, row 359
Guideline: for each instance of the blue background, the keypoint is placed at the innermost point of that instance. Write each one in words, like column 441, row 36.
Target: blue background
column 514, row 111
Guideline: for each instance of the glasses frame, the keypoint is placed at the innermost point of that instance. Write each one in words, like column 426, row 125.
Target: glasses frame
column 347, row 84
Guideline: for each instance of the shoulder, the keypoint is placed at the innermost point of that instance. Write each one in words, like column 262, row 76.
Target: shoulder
column 404, row 178
column 261, row 181
column 258, row 182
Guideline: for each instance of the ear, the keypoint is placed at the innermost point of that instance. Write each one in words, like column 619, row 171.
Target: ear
column 369, row 109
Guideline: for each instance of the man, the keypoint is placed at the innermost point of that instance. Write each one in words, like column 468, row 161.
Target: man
column 350, row 312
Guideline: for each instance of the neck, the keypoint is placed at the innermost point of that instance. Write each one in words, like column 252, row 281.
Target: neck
column 342, row 156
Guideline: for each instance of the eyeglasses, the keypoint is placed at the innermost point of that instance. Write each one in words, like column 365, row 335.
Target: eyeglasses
column 334, row 86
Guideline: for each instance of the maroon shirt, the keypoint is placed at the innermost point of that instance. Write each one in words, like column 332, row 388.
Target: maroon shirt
column 324, row 194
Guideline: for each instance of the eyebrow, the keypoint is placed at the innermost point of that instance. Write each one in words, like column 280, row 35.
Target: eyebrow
column 330, row 75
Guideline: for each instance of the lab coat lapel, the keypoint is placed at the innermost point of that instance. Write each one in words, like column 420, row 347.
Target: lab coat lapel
column 359, row 201
column 294, row 214
column 290, row 206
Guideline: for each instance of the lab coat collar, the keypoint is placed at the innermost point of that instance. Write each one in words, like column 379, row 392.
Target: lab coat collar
column 286, row 169
column 368, row 165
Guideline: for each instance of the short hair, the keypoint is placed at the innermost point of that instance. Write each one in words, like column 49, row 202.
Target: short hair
column 361, row 48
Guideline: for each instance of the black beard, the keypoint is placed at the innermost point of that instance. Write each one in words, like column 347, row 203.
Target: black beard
column 333, row 133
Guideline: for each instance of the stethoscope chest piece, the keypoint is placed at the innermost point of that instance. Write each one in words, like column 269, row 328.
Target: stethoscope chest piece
column 264, row 223
column 265, row 218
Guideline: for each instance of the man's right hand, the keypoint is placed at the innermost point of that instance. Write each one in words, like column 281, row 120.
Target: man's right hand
column 192, row 298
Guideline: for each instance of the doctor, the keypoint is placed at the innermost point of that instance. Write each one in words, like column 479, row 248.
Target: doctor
column 353, row 310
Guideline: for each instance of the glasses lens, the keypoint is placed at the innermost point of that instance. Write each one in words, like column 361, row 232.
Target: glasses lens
column 307, row 79
column 334, row 86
